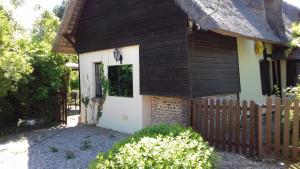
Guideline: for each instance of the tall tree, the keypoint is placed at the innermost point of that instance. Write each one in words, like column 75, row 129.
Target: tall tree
column 59, row 9
column 296, row 34
column 17, row 3
column 295, row 42
column 14, row 65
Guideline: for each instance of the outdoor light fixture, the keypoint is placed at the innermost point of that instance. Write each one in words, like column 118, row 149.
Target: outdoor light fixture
column 118, row 55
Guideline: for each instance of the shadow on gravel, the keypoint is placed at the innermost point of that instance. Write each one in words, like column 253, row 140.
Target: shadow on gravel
column 69, row 147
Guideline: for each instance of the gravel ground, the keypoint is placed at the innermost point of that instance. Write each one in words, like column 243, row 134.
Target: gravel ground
column 37, row 149
column 232, row 161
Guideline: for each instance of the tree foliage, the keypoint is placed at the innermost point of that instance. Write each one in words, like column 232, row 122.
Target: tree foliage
column 31, row 74
column 59, row 9
column 14, row 64
column 295, row 34
column 17, row 3
column 295, row 42
column 49, row 74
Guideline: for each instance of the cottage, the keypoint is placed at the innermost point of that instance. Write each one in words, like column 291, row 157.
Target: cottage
column 159, row 54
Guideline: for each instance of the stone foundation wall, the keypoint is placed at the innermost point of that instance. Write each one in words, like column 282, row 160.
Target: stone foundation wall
column 172, row 110
column 169, row 110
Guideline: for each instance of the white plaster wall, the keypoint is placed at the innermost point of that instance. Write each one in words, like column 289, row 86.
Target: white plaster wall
column 119, row 113
column 250, row 79
column 147, row 110
column 283, row 74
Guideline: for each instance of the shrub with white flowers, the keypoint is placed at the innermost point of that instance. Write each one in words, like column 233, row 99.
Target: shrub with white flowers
column 162, row 146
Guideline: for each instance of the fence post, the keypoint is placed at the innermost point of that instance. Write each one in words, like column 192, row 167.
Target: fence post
column 259, row 131
column 193, row 114
column 190, row 112
column 277, row 126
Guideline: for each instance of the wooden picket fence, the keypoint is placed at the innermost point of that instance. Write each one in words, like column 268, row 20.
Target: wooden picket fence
column 248, row 128
column 280, row 131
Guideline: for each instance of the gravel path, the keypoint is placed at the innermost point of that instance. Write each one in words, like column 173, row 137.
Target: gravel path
column 51, row 148
column 233, row 161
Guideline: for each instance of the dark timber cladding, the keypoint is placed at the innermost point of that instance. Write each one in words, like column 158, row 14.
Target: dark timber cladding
column 213, row 64
column 158, row 26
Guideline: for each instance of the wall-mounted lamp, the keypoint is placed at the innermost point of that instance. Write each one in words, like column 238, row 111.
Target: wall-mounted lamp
column 259, row 48
column 118, row 55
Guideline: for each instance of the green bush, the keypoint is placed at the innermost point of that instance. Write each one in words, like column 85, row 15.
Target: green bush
column 162, row 146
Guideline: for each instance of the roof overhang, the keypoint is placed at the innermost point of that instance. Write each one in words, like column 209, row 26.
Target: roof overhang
column 65, row 39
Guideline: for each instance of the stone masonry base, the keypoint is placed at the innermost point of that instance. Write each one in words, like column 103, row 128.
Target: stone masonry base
column 171, row 110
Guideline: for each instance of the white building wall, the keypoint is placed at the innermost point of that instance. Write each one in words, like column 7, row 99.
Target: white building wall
column 283, row 74
column 251, row 88
column 119, row 113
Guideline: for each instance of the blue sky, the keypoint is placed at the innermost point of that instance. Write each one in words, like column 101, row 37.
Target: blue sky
column 26, row 14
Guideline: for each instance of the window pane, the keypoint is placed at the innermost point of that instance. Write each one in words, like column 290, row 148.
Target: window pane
column 120, row 81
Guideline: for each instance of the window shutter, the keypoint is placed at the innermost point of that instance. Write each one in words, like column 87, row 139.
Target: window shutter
column 292, row 75
column 265, row 77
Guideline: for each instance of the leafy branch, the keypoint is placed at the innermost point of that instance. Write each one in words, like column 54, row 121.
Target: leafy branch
column 295, row 42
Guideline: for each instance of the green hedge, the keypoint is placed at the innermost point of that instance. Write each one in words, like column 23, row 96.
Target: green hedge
column 162, row 146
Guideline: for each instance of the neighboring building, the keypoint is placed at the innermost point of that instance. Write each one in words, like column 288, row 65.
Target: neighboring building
column 172, row 51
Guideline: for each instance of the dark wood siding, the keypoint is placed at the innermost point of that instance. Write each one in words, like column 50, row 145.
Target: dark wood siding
column 213, row 64
column 159, row 27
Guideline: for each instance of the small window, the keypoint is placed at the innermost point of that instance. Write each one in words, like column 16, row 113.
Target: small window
column 99, row 92
column 120, row 81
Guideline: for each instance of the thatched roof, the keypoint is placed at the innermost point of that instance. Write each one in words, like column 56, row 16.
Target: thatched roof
column 233, row 18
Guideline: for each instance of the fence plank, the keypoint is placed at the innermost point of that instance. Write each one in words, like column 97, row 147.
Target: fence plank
column 252, row 128
column 211, row 122
column 268, row 126
column 217, row 123
column 277, row 126
column 237, row 126
column 195, row 117
column 244, row 128
column 205, row 118
column 199, row 119
column 260, row 131
column 286, row 135
column 230, row 124
column 224, row 124
column 229, row 127
column 296, row 131
column 190, row 113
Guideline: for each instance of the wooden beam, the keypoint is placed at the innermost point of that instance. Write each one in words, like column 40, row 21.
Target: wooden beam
column 68, row 37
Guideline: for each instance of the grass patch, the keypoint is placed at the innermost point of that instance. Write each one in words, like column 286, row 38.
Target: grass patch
column 53, row 149
column 86, row 145
column 70, row 155
column 111, row 136
column 87, row 137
